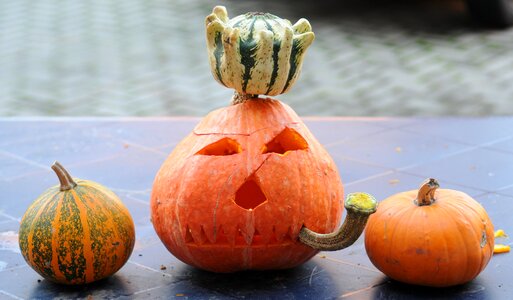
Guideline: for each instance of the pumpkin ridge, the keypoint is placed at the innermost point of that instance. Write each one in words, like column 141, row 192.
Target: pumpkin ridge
column 275, row 59
column 70, row 243
column 25, row 234
column 390, row 238
column 398, row 245
column 119, row 231
column 56, row 224
column 446, row 251
column 86, row 238
column 43, row 210
column 98, row 210
column 83, row 195
column 50, row 212
column 450, row 211
column 180, row 235
column 99, row 188
column 218, row 199
column 456, row 207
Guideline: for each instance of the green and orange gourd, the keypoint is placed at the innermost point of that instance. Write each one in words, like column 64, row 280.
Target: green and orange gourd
column 76, row 232
column 250, row 186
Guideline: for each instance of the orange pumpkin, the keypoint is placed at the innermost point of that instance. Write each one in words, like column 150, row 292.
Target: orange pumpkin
column 250, row 187
column 235, row 193
column 432, row 237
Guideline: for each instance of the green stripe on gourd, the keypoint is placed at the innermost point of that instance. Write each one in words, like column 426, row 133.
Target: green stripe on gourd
column 256, row 53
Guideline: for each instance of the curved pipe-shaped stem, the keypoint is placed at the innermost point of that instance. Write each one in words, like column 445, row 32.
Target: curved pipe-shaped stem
column 359, row 207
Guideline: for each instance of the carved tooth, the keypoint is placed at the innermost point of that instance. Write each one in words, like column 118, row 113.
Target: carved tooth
column 281, row 233
column 196, row 234
column 220, row 237
column 294, row 231
column 187, row 236
column 291, row 235
column 248, row 236
column 207, row 238
column 302, row 26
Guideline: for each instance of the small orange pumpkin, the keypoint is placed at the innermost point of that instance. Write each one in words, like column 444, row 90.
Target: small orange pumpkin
column 432, row 237
column 76, row 232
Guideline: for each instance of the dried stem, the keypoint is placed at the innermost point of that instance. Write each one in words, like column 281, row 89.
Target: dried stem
column 65, row 178
column 240, row 98
column 426, row 195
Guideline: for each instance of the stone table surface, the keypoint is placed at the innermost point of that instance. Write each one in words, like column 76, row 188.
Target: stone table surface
column 381, row 156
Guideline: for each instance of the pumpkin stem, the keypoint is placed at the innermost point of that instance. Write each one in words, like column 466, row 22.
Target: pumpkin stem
column 426, row 195
column 65, row 178
column 242, row 97
column 359, row 207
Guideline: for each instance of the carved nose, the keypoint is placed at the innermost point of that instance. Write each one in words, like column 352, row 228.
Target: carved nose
column 249, row 195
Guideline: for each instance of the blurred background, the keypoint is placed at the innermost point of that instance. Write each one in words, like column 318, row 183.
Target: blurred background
column 148, row 58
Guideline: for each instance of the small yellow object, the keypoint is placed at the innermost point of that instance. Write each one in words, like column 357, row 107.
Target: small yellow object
column 500, row 248
column 500, row 233
column 394, row 181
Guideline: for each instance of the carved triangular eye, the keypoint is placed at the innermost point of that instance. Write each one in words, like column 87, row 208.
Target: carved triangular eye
column 287, row 140
column 225, row 146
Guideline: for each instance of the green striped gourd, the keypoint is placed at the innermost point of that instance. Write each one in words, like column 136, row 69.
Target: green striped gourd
column 256, row 53
column 76, row 232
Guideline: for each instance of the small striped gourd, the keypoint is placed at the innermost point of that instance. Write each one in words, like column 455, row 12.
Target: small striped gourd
column 256, row 53
column 76, row 232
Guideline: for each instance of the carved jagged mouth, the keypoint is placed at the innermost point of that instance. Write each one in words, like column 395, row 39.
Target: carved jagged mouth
column 240, row 239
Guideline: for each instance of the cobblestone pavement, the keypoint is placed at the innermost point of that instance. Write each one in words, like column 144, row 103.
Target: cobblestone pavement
column 144, row 57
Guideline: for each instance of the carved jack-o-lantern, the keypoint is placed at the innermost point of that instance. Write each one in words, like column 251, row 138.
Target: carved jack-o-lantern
column 241, row 190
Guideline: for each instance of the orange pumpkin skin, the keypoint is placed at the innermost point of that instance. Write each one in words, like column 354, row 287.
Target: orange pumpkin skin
column 443, row 244
column 234, row 194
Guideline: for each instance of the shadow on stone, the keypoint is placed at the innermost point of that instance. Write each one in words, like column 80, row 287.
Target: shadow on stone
column 309, row 281
column 397, row 290
column 108, row 288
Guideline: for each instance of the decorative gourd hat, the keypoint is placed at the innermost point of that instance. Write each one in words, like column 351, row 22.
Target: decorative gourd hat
column 256, row 53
